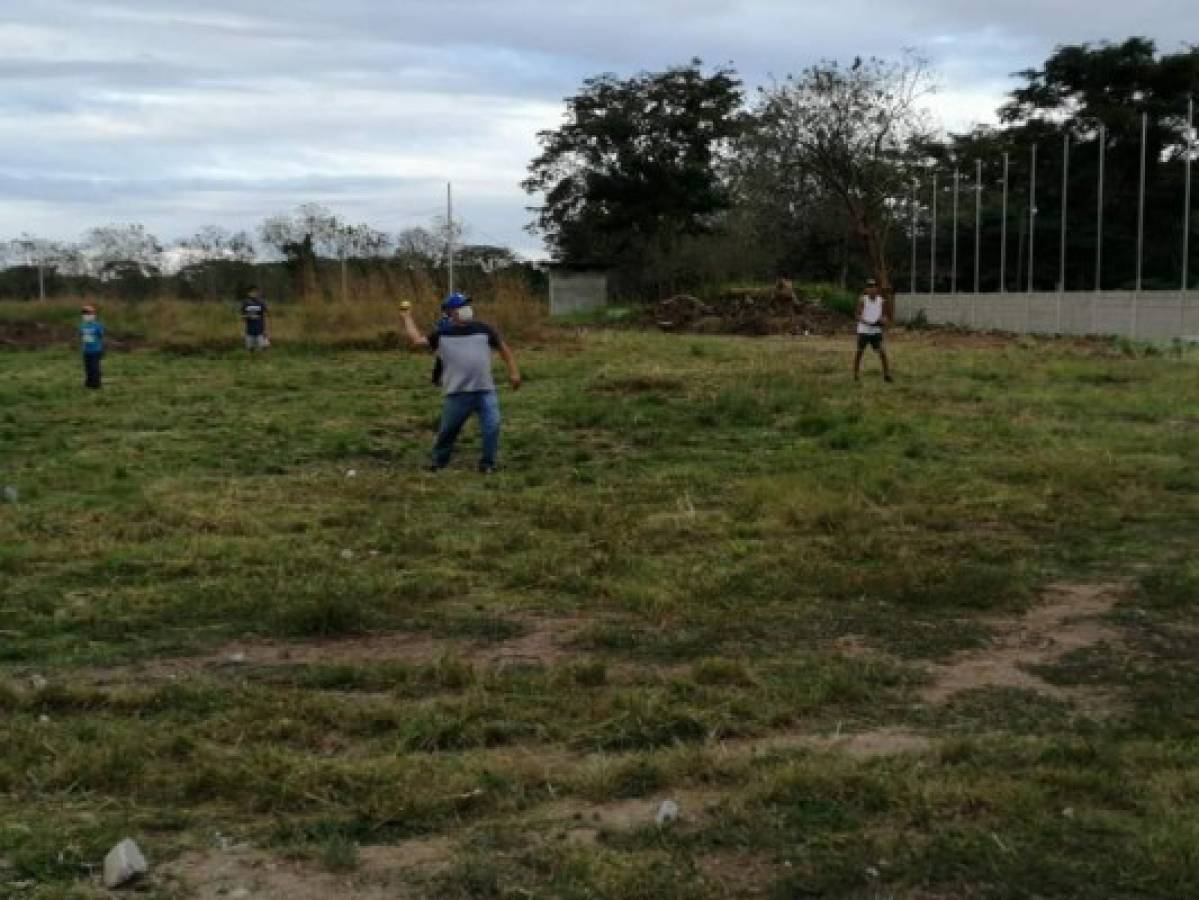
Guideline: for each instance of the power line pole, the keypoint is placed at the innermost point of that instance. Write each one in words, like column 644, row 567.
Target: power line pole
column 449, row 232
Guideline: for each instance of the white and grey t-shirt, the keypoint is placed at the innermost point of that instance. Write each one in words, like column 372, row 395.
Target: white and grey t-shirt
column 872, row 315
column 465, row 352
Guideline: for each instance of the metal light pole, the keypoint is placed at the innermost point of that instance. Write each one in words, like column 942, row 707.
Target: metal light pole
column 1032, row 213
column 1061, row 276
column 978, row 202
column 1141, row 202
column 1099, row 212
column 953, row 275
column 1003, row 232
column 1186, row 192
column 915, row 208
column 932, row 250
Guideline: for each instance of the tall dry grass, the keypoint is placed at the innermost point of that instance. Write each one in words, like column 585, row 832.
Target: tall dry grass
column 369, row 316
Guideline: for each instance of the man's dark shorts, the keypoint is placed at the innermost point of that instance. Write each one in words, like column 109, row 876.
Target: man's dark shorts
column 870, row 340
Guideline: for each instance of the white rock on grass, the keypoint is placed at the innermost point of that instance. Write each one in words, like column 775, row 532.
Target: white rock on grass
column 11, row 494
column 351, row 473
column 668, row 812
column 347, row 554
column 124, row 864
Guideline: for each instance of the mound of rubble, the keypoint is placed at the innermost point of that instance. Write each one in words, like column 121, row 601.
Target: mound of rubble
column 777, row 310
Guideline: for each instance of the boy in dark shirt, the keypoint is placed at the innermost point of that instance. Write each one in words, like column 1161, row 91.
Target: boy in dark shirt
column 253, row 313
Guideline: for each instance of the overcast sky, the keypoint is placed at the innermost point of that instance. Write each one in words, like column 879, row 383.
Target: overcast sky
column 181, row 114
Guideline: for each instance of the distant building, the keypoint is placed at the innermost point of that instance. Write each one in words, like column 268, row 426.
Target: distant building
column 576, row 288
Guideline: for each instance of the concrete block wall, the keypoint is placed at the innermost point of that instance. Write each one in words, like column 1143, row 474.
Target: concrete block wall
column 1149, row 315
column 573, row 292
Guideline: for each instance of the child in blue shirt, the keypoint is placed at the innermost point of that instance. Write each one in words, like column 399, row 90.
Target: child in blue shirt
column 91, row 341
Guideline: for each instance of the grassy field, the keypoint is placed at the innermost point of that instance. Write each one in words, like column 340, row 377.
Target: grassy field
column 933, row 639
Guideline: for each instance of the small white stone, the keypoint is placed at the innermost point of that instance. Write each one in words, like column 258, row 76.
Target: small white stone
column 43, row 719
column 124, row 864
column 239, row 893
column 351, row 473
column 237, row 657
column 11, row 494
column 347, row 554
column 668, row 812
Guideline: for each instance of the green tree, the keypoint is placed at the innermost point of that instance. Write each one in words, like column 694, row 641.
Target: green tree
column 636, row 166
column 849, row 134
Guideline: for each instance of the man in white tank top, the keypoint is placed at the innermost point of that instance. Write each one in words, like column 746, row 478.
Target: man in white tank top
column 872, row 316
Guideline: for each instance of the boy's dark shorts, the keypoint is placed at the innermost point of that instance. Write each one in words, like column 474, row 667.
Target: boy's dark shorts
column 870, row 340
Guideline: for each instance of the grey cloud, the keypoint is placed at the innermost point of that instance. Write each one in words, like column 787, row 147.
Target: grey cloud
column 171, row 112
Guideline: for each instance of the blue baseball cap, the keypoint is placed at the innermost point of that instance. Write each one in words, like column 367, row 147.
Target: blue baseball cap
column 455, row 301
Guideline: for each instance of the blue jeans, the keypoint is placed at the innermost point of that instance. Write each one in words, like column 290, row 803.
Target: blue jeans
column 455, row 412
column 91, row 369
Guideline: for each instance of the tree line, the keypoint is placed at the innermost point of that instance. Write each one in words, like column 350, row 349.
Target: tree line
column 308, row 252
column 677, row 179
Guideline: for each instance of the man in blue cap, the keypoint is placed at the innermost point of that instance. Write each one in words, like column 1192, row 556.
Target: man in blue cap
column 464, row 348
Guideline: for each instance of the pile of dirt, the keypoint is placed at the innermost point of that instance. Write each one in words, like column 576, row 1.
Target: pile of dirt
column 35, row 335
column 778, row 310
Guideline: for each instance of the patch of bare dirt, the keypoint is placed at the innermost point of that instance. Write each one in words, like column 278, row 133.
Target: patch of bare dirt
column 951, row 337
column 739, row 872
column 383, row 873
column 871, row 744
column 584, row 823
column 35, row 335
column 546, row 643
column 543, row 644
column 1069, row 620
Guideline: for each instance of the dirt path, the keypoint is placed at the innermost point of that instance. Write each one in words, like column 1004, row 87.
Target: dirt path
column 1068, row 620
column 543, row 643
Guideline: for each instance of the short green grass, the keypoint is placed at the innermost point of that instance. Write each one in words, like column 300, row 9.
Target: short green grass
column 709, row 520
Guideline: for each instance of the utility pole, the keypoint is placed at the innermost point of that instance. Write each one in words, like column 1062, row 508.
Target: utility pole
column 449, row 231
